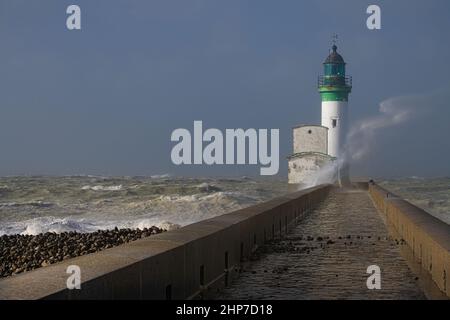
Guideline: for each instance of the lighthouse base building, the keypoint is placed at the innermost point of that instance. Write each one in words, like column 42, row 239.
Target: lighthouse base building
column 310, row 144
column 319, row 153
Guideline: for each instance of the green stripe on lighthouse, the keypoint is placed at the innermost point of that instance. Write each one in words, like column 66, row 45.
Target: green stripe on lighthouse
column 334, row 96
column 334, row 92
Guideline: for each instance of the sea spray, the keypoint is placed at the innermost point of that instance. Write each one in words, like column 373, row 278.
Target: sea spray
column 325, row 175
column 394, row 111
column 364, row 134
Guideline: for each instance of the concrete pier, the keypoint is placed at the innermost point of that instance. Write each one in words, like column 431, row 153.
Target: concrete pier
column 327, row 255
column 310, row 244
column 188, row 263
column 427, row 237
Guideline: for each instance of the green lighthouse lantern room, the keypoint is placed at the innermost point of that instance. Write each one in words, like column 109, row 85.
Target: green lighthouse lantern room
column 334, row 84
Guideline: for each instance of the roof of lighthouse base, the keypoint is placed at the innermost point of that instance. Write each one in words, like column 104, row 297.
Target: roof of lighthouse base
column 309, row 154
column 309, row 125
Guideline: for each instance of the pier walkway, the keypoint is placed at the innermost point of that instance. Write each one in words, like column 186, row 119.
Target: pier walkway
column 326, row 257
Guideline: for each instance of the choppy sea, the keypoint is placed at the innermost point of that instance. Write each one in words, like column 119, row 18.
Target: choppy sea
column 37, row 204
column 33, row 205
column 430, row 194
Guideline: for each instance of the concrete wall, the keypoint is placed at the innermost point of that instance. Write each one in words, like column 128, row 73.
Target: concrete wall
column 310, row 139
column 427, row 236
column 302, row 167
column 186, row 263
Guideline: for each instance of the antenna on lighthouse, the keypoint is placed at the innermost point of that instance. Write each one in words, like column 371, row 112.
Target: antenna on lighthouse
column 334, row 40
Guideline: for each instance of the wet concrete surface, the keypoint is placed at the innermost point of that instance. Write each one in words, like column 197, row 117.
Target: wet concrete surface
column 326, row 256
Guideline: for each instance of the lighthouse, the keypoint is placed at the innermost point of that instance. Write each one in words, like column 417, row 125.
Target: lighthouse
column 334, row 87
column 319, row 154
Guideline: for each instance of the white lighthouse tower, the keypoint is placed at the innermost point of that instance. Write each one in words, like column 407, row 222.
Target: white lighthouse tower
column 319, row 154
column 335, row 87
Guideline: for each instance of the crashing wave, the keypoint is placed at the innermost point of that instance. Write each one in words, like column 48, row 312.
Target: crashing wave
column 58, row 225
column 148, row 223
column 160, row 176
column 205, row 187
column 102, row 188
column 213, row 198
column 141, row 203
column 45, row 224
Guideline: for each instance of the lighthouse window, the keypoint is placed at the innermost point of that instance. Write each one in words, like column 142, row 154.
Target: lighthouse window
column 334, row 69
column 334, row 123
column 309, row 131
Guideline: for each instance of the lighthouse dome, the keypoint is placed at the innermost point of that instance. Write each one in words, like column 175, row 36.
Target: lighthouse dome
column 334, row 57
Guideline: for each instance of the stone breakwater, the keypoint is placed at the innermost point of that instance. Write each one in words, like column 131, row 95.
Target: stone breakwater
column 19, row 253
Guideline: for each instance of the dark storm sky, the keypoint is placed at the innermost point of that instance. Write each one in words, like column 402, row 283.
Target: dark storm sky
column 104, row 100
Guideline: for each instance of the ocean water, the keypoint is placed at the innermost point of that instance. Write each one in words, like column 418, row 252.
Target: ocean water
column 33, row 205
column 432, row 195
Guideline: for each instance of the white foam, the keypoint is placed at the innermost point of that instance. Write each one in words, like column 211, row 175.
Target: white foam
column 46, row 224
column 160, row 176
column 68, row 210
column 167, row 212
column 102, row 188
column 59, row 225
column 206, row 187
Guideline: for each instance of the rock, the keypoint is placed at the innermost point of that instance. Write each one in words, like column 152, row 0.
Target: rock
column 21, row 253
column 18, row 270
